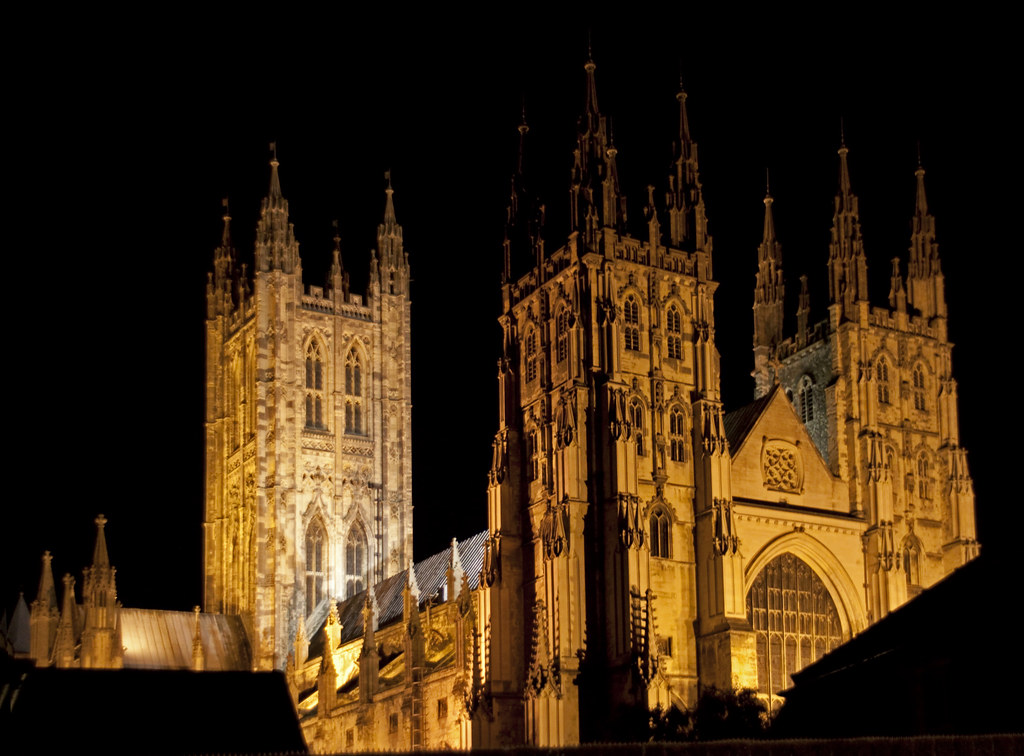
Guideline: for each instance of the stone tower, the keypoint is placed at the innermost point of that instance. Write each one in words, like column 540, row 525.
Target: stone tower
column 874, row 387
column 308, row 455
column 608, row 501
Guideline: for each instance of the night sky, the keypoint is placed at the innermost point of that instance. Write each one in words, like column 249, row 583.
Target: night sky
column 121, row 152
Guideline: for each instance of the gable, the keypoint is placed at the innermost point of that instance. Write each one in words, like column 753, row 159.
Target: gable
column 774, row 459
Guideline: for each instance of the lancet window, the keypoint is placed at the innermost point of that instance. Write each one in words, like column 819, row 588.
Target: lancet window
column 674, row 333
column 316, row 566
column 918, row 380
column 805, row 395
column 677, row 434
column 531, row 355
column 912, row 563
column 315, row 386
column 794, row 618
column 562, row 334
column 355, row 561
column 661, row 541
column 631, row 318
column 636, row 416
column 882, row 379
column 924, row 477
column 354, row 393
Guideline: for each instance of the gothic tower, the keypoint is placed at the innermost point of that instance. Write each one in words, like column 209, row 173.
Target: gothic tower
column 610, row 478
column 308, row 456
column 874, row 387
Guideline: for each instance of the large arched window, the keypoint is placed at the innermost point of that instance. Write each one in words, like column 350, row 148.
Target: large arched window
column 661, row 534
column 314, row 386
column 805, row 395
column 316, row 566
column 354, row 393
column 918, row 381
column 631, row 318
column 355, row 561
column 794, row 618
column 882, row 379
column 531, row 355
column 562, row 334
column 677, row 434
column 674, row 333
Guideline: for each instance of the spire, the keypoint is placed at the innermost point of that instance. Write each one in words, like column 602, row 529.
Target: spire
column 803, row 311
column 847, row 264
column 339, row 276
column 392, row 261
column 276, row 248
column 925, row 281
column 68, row 627
column 769, row 288
column 897, row 295
column 595, row 199
column 685, row 198
column 523, row 245
column 99, row 554
column 46, row 596
column 198, row 653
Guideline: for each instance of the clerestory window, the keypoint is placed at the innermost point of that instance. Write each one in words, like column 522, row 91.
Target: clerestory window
column 677, row 434
column 354, row 393
column 631, row 326
column 674, row 333
column 882, row 379
column 316, row 566
column 315, row 386
column 661, row 542
column 918, row 381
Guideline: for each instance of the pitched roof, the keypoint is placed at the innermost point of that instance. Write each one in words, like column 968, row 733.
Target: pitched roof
column 431, row 576
column 156, row 639
column 740, row 422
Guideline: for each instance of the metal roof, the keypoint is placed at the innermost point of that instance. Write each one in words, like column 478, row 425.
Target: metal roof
column 156, row 639
column 431, row 577
column 740, row 422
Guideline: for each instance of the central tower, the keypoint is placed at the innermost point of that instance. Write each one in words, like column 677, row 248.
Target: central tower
column 308, row 428
column 598, row 504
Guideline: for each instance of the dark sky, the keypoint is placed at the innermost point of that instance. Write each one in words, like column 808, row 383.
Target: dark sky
column 122, row 150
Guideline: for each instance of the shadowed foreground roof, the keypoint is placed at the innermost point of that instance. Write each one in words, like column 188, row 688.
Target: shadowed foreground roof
column 133, row 711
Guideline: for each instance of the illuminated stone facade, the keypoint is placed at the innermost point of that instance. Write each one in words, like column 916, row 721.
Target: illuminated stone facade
column 308, row 456
column 642, row 543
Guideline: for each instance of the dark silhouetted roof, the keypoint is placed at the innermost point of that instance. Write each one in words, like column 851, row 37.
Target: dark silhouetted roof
column 740, row 422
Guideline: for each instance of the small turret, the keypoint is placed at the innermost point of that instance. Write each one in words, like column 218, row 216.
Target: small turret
column 769, row 294
column 68, row 628
column 897, row 294
column 685, row 198
column 101, row 640
column 369, row 659
column 392, row 261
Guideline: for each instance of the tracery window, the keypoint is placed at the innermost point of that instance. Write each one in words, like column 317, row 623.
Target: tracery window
column 314, row 386
column 354, row 393
column 562, row 334
column 677, row 434
column 636, row 415
column 918, row 381
column 532, row 454
column 805, row 394
column 882, row 379
column 355, row 561
column 661, row 542
column 316, row 566
column 631, row 318
column 794, row 618
column 531, row 355
column 674, row 332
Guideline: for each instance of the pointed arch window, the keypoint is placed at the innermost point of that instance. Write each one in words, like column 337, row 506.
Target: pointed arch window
column 354, row 393
column 882, row 379
column 794, row 618
column 661, row 539
column 674, row 332
column 316, row 566
column 562, row 334
column 631, row 318
column 636, row 416
column 805, row 395
column 355, row 561
column 677, row 434
column 315, row 386
column 531, row 355
column 917, row 378
column 532, row 455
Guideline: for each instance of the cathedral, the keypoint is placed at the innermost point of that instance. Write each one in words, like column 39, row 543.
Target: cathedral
column 642, row 543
